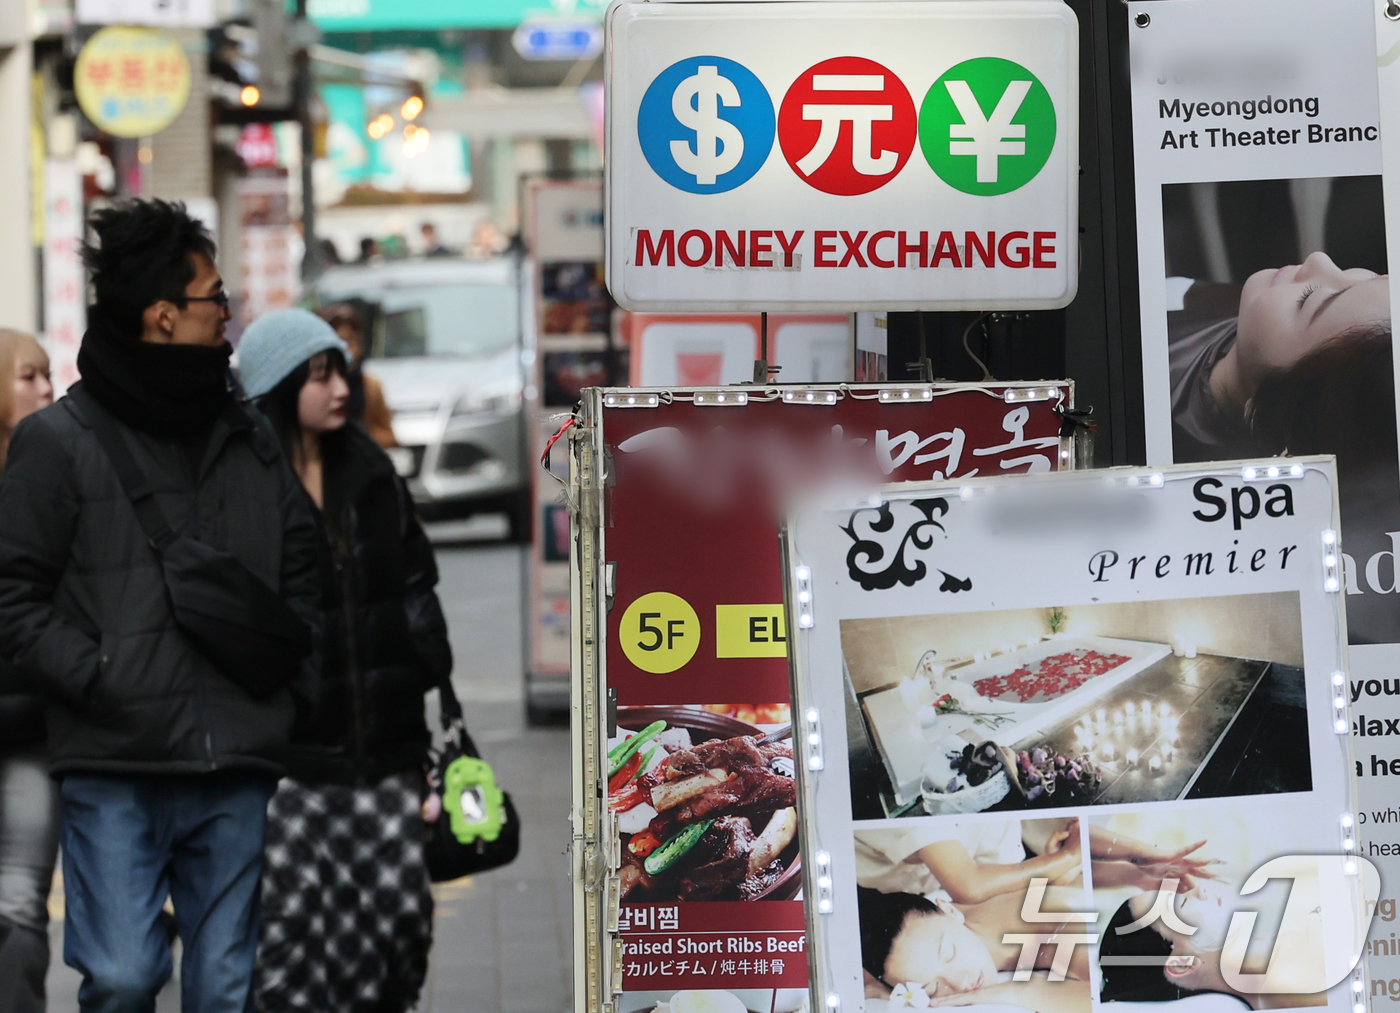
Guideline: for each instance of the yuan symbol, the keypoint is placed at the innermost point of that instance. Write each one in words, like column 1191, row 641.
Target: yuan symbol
column 987, row 138
column 863, row 158
column 719, row 145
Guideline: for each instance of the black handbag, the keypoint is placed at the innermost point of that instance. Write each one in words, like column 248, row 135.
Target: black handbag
column 448, row 857
column 237, row 621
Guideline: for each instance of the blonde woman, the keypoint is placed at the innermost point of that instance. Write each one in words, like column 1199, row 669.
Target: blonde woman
column 29, row 389
column 28, row 800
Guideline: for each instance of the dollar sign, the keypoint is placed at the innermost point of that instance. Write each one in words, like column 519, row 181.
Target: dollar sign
column 718, row 143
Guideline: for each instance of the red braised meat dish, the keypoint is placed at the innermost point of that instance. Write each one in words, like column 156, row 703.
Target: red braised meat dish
column 713, row 821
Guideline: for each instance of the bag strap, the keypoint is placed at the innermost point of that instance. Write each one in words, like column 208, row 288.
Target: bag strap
column 133, row 480
column 453, row 722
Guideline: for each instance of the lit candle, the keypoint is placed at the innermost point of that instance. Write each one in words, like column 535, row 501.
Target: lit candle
column 1098, row 715
column 1132, row 757
column 1118, row 718
column 1154, row 764
column 1108, row 750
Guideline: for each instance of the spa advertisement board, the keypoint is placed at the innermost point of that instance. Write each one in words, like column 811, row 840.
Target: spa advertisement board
column 1266, row 306
column 1060, row 736
column 698, row 883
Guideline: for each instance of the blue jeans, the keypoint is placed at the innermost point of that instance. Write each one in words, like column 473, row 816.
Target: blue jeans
column 128, row 843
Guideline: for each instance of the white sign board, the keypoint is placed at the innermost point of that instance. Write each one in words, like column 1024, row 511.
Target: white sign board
column 1229, row 91
column 164, row 13
column 837, row 155
column 1057, row 732
column 564, row 220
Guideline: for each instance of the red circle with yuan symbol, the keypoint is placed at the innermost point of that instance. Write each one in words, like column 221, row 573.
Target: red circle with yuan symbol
column 847, row 125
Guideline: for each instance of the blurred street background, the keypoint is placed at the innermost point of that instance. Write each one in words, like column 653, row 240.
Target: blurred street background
column 304, row 135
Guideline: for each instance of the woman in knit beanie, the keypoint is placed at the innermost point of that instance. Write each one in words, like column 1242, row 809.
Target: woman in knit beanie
column 347, row 913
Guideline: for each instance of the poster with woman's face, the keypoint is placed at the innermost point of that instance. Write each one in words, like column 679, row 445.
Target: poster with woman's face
column 1265, row 302
column 1279, row 342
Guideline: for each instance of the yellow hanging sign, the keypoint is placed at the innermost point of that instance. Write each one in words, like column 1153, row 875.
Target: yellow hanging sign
column 132, row 82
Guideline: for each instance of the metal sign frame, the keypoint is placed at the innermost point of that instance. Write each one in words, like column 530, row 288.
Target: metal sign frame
column 595, row 848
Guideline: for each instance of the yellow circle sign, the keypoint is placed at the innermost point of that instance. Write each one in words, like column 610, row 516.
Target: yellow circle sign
column 660, row 632
column 131, row 82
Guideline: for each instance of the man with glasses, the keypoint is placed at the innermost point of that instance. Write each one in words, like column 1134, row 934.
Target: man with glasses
column 165, row 762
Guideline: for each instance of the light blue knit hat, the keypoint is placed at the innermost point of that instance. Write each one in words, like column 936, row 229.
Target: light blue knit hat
column 277, row 343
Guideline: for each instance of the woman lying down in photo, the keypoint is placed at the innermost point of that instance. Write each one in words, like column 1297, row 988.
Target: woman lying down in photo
column 1300, row 364
column 938, row 942
column 1149, row 960
column 918, row 952
column 1296, row 332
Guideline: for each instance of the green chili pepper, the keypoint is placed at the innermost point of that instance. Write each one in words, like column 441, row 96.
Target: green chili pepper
column 666, row 856
column 646, row 759
column 622, row 752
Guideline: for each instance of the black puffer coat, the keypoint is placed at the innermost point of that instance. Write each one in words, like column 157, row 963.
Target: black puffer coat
column 83, row 606
column 385, row 637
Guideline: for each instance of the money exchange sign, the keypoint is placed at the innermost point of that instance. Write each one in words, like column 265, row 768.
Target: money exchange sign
column 912, row 155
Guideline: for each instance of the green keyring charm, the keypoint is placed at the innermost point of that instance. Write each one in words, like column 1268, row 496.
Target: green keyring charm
column 470, row 774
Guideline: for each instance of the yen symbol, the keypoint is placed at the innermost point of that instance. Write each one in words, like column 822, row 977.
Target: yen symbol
column 991, row 136
column 987, row 126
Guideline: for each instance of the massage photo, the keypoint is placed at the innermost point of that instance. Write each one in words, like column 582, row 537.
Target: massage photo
column 1160, row 964
column 936, row 898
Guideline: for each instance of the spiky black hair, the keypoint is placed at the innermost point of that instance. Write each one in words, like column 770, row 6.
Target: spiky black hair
column 142, row 254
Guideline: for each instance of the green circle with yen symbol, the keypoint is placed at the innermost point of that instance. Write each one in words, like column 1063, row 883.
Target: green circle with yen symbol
column 987, row 126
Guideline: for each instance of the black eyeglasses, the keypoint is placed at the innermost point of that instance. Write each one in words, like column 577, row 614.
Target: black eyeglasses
column 219, row 299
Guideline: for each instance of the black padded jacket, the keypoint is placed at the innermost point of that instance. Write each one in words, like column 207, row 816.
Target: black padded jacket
column 84, row 611
column 385, row 636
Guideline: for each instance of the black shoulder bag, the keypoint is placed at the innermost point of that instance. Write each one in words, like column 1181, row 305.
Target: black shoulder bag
column 491, row 824
column 237, row 621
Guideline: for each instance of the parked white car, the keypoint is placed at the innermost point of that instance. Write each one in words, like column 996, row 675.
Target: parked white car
column 444, row 338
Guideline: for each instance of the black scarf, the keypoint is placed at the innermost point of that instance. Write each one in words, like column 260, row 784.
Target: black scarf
column 168, row 391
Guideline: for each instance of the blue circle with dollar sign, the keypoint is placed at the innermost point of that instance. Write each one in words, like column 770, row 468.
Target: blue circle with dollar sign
column 706, row 124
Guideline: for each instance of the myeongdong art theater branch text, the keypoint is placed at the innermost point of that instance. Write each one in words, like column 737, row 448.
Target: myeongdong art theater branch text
column 817, row 155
